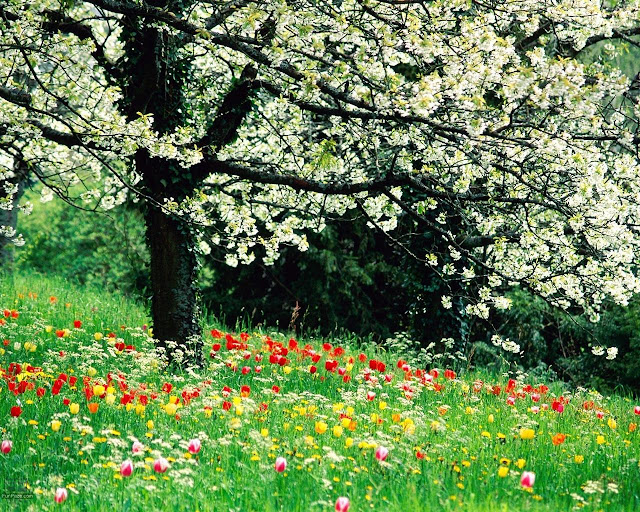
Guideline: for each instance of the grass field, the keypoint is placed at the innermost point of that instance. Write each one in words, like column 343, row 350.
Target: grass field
column 274, row 423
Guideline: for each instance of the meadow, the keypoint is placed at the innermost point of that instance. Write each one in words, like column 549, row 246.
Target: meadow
column 91, row 419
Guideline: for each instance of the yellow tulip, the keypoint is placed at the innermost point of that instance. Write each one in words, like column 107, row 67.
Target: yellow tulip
column 527, row 433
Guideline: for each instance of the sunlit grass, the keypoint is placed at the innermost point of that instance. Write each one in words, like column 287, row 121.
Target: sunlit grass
column 454, row 441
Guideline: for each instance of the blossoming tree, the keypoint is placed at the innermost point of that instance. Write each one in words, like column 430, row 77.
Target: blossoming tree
column 244, row 124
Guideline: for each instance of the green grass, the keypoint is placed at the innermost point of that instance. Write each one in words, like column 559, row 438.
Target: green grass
column 452, row 428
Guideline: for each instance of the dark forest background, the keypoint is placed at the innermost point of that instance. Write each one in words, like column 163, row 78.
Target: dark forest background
column 351, row 282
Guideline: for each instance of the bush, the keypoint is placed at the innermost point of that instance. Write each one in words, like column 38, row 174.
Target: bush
column 85, row 248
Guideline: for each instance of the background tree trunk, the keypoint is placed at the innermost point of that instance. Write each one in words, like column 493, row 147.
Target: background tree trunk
column 9, row 218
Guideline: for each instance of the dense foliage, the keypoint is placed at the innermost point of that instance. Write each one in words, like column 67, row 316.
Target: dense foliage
column 243, row 126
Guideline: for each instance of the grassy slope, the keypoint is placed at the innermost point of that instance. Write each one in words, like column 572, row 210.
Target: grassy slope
column 452, row 428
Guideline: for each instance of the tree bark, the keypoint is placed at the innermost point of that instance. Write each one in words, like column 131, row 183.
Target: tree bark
column 174, row 304
column 173, row 266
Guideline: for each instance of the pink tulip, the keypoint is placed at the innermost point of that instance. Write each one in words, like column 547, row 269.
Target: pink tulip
column 281, row 464
column 370, row 395
column 599, row 414
column 61, row 494
column 527, row 479
column 137, row 447
column 342, row 504
column 381, row 453
column 5, row 447
column 636, row 409
column 535, row 409
column 560, row 408
column 126, row 468
column 194, row 446
column 160, row 465
column 511, row 400
column 535, row 397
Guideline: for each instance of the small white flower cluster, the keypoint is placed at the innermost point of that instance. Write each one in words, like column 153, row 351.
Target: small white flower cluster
column 507, row 345
column 599, row 350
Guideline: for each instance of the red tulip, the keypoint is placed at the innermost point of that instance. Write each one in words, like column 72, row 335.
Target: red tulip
column 16, row 411
column 126, row 468
column 77, row 324
column 381, row 453
column 61, row 494
column 281, row 464
column 636, row 409
column 194, row 446
column 527, row 479
column 5, row 447
column 371, row 396
column 160, row 465
column 342, row 504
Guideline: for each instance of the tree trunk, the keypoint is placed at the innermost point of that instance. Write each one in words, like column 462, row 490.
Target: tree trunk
column 174, row 304
column 9, row 218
